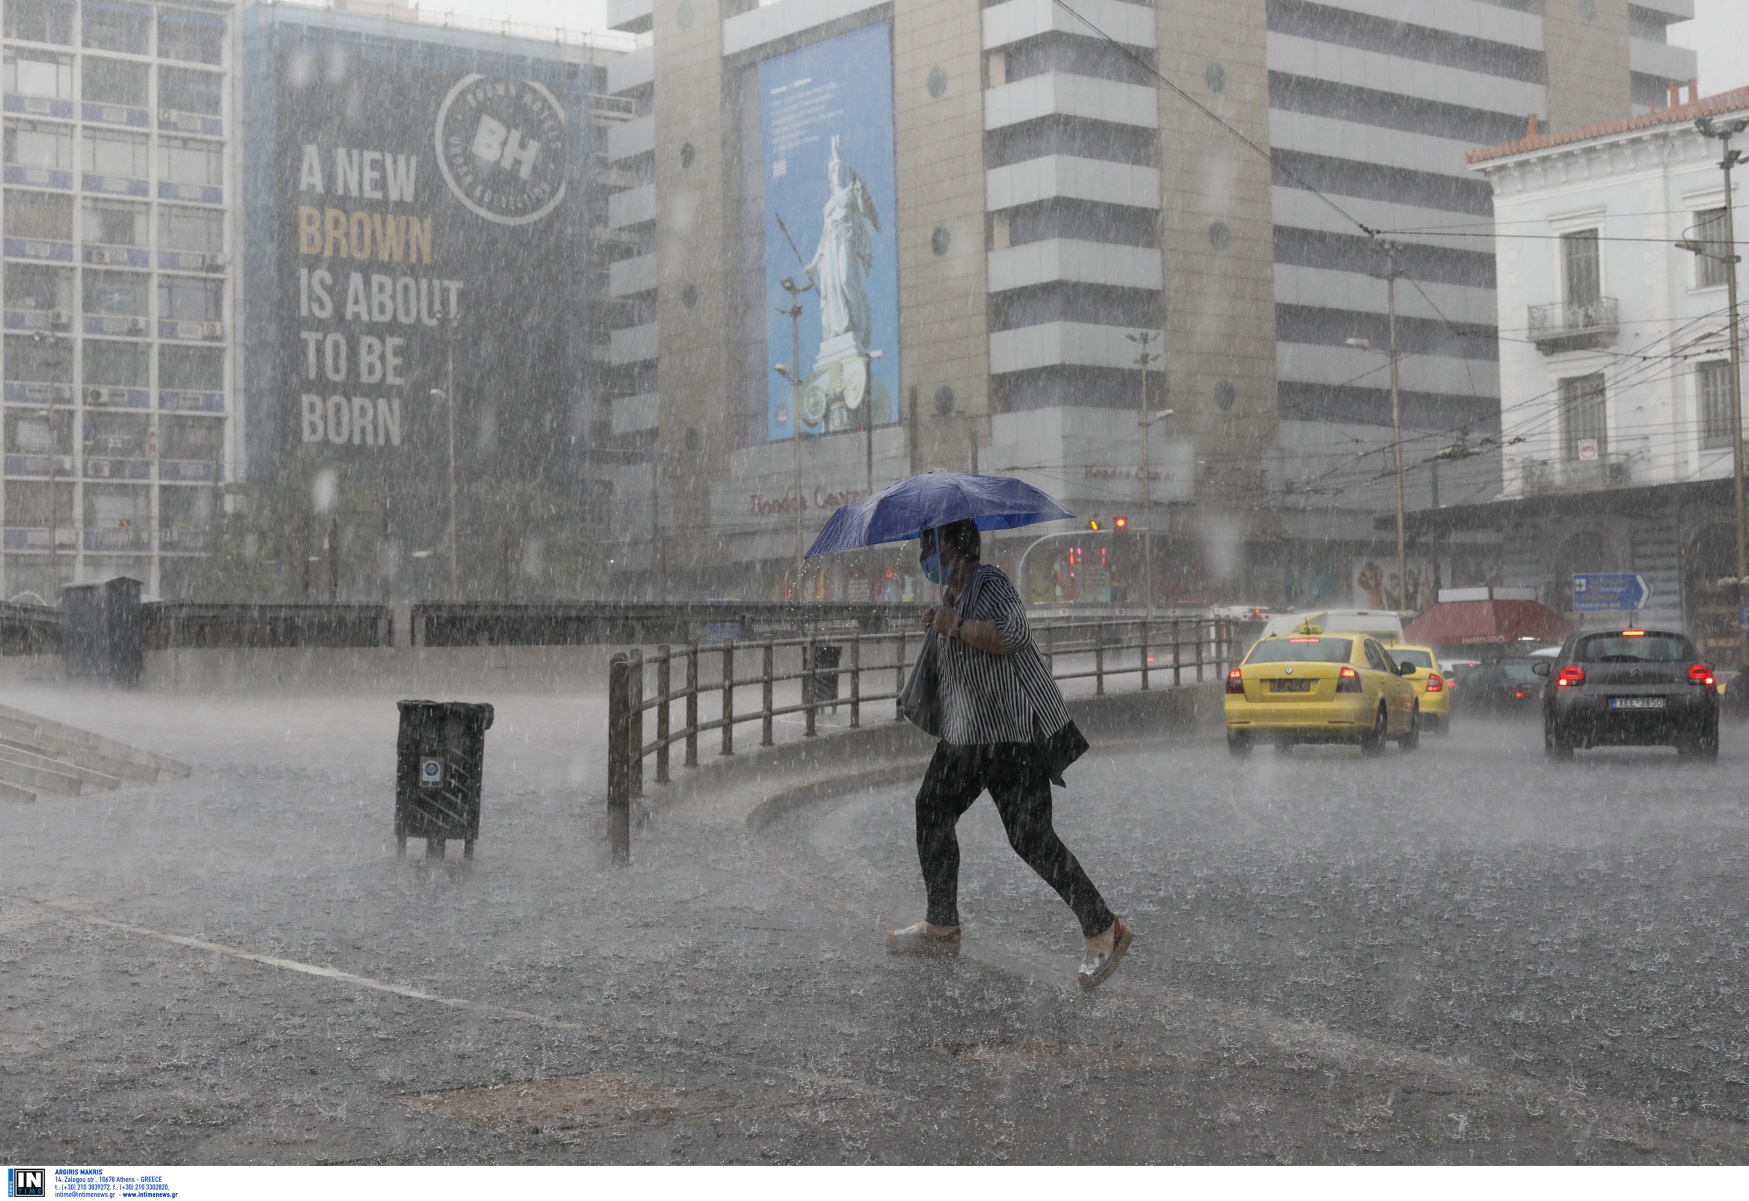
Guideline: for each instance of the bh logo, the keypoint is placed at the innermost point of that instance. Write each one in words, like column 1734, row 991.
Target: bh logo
column 501, row 148
column 27, row 1182
column 430, row 773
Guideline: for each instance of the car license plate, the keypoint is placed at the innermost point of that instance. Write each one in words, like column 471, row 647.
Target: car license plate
column 1636, row 702
column 1290, row 685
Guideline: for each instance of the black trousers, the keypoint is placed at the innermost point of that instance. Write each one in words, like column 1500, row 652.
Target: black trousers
column 1018, row 784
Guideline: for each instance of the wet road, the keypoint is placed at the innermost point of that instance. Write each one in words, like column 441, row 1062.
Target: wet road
column 1461, row 955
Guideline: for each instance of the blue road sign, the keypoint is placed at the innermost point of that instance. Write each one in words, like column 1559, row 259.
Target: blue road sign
column 1743, row 618
column 1610, row 591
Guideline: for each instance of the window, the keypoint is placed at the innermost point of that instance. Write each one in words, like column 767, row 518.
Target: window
column 119, row 436
column 1582, row 270
column 191, row 37
column 116, row 293
column 40, row 21
column 35, row 215
column 193, row 438
column 1709, row 264
column 189, row 91
column 28, row 433
column 102, row 152
column 116, row 364
column 114, row 81
column 38, row 288
column 29, row 145
column 113, row 224
column 112, row 26
column 189, row 298
column 44, row 360
column 190, row 229
column 1583, row 415
column 1646, row 648
column 1302, row 650
column 191, row 368
column 1712, row 386
column 38, row 73
column 184, row 161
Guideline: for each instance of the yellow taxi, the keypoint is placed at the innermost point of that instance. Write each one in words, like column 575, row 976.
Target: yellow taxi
column 1314, row 687
column 1431, row 688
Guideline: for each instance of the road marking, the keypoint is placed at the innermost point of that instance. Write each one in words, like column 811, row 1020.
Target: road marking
column 73, row 909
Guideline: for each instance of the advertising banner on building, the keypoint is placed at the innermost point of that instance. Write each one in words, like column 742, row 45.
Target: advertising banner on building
column 421, row 255
column 826, row 115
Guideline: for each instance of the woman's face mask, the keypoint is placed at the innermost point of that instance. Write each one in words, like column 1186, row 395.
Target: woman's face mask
column 934, row 569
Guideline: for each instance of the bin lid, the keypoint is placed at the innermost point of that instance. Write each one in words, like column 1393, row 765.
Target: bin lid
column 478, row 710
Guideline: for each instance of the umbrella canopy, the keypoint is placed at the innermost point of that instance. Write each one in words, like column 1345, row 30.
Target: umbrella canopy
column 924, row 502
column 1481, row 622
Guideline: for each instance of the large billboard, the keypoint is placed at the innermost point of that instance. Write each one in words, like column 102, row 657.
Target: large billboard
column 826, row 117
column 421, row 258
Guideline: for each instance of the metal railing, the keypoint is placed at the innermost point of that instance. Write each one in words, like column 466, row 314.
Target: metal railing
column 873, row 665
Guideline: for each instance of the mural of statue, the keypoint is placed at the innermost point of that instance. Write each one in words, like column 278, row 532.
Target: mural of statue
column 845, row 255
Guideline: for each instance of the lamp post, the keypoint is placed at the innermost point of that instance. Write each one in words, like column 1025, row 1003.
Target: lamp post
column 1390, row 277
column 793, row 373
column 1725, row 131
column 446, row 397
column 1143, row 339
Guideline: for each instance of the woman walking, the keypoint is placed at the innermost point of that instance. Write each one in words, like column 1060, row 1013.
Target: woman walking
column 999, row 709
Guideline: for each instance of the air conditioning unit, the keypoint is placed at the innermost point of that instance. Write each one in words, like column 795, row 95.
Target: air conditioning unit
column 37, row 391
column 96, row 396
column 213, row 329
column 136, row 325
column 58, row 317
column 216, row 262
column 98, row 468
column 99, row 255
column 166, row 116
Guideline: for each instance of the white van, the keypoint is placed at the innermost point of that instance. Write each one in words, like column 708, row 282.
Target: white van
column 1382, row 624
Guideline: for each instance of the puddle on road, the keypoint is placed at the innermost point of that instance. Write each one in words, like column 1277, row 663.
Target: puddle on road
column 560, row 1101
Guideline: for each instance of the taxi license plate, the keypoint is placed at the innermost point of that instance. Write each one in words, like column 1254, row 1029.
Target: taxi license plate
column 1290, row 685
column 1636, row 702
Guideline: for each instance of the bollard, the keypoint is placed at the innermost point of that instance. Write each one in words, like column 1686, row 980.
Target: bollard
column 810, row 670
column 662, row 683
column 768, row 664
column 692, row 704
column 619, row 795
column 856, row 680
column 728, row 698
column 899, row 666
column 1099, row 658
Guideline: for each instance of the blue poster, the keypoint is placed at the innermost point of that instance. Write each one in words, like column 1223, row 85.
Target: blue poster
column 826, row 117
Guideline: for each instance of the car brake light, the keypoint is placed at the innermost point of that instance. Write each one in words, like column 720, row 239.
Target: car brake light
column 1519, row 694
column 1701, row 674
column 1436, row 683
column 1571, row 676
column 1235, row 683
column 1348, row 680
column 1633, row 633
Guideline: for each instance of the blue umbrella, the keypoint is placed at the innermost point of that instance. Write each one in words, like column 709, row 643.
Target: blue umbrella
column 924, row 502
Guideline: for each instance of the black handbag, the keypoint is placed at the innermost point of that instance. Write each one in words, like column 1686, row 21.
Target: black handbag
column 920, row 699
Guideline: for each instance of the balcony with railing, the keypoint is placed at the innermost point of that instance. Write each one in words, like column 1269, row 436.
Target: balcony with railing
column 1571, row 325
column 1573, row 475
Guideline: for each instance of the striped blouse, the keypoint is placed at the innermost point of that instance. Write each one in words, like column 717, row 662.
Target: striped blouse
column 996, row 698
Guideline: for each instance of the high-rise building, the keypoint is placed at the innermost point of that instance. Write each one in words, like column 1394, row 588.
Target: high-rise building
column 120, row 193
column 1051, row 193
column 233, row 237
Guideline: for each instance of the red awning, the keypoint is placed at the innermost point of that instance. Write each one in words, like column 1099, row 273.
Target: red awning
column 1482, row 622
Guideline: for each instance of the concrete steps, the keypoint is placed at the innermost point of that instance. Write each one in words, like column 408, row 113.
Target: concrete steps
column 39, row 755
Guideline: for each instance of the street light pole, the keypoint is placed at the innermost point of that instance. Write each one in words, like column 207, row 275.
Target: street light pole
column 793, row 373
column 446, row 396
column 1142, row 338
column 1725, row 132
column 1396, row 423
column 54, row 361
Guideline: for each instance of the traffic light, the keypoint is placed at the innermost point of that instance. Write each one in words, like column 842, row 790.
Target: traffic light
column 1094, row 524
column 1120, row 523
